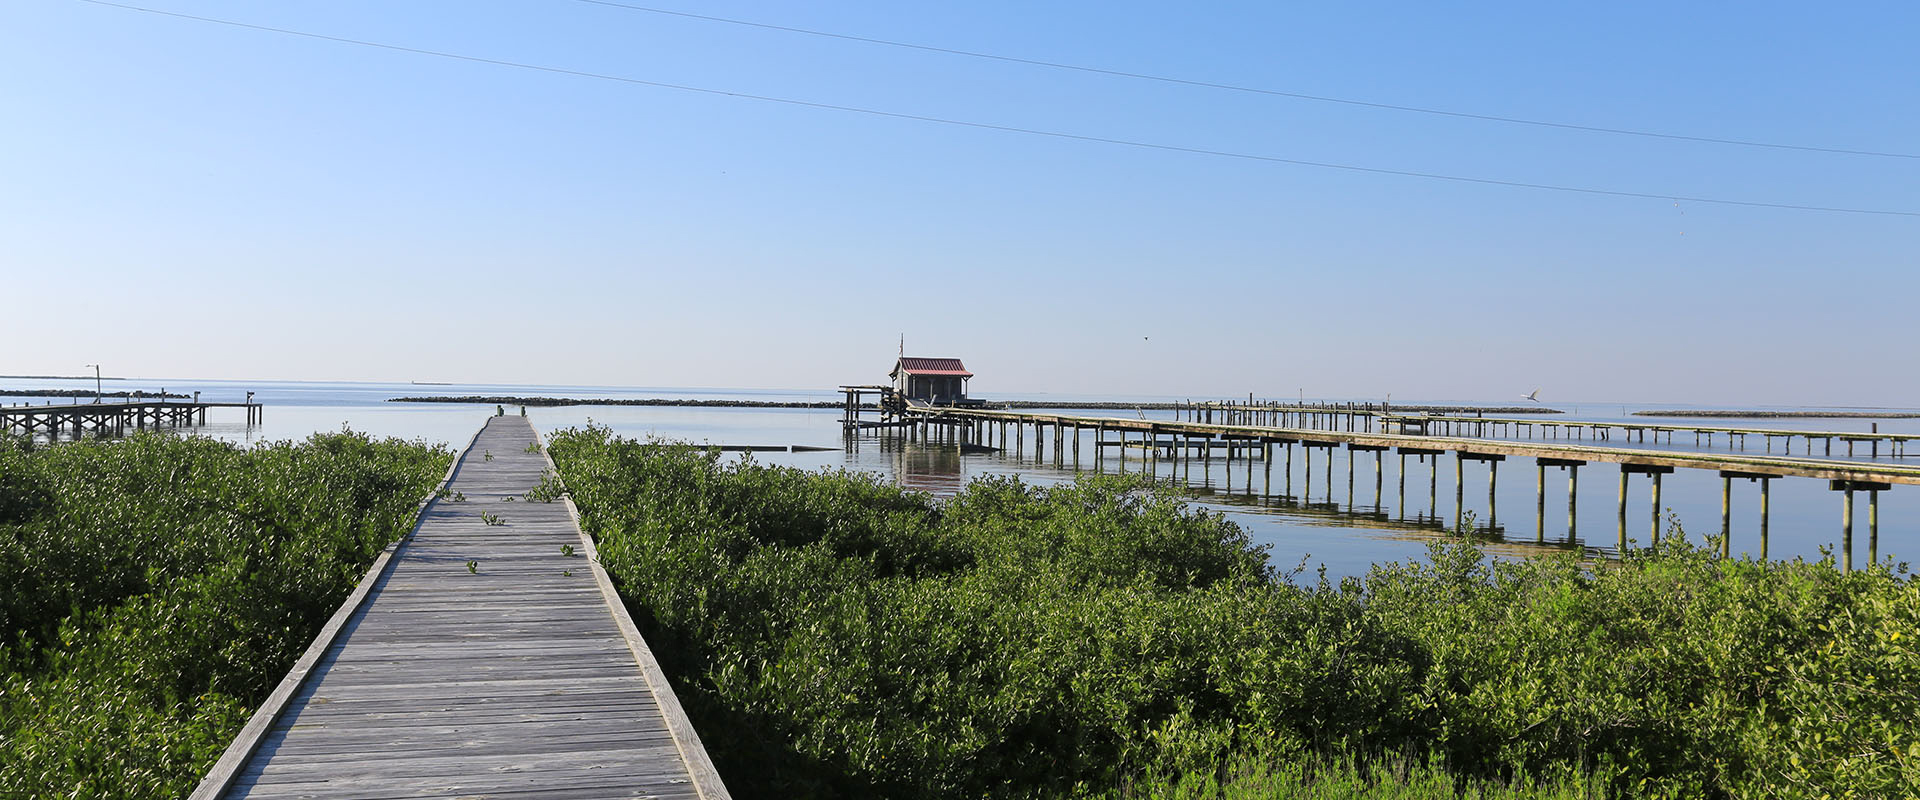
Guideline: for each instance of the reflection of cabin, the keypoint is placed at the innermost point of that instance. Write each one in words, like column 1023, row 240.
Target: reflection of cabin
column 940, row 381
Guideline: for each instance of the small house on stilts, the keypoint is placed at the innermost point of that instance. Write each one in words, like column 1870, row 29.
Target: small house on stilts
column 932, row 381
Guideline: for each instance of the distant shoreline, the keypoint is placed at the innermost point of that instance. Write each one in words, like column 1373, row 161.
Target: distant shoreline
column 575, row 401
column 137, row 393
column 998, row 404
column 1781, row 414
column 59, row 378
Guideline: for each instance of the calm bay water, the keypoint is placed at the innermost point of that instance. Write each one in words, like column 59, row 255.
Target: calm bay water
column 1304, row 520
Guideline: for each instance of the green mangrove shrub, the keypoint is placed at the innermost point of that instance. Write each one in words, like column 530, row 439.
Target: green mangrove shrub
column 154, row 590
column 835, row 636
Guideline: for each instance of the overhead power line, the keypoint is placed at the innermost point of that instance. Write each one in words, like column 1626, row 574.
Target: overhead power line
column 1252, row 89
column 1003, row 128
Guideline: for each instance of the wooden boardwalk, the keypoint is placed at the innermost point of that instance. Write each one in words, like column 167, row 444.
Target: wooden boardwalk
column 1066, row 430
column 477, row 660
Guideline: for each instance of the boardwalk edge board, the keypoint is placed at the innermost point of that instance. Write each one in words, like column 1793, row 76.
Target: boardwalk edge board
column 706, row 779
column 234, row 760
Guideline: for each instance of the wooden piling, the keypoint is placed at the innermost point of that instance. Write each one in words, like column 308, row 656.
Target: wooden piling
column 1493, row 503
column 1401, row 476
column 1539, row 501
column 1726, row 516
column 1873, row 526
column 1765, row 484
column 1377, row 470
column 1307, row 453
column 1266, row 460
column 1459, row 491
column 1573, row 499
column 1623, row 508
column 1846, row 529
column 1656, row 507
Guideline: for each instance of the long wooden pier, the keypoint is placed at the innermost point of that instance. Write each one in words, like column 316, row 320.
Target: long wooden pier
column 1373, row 418
column 112, row 418
column 1380, row 418
column 1603, row 430
column 485, row 655
column 1180, row 439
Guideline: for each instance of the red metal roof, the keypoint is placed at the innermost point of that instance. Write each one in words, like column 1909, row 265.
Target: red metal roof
column 930, row 366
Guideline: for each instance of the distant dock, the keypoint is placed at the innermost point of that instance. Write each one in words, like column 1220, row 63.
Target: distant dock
column 112, row 419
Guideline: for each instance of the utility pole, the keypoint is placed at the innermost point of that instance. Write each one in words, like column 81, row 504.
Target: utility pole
column 96, row 383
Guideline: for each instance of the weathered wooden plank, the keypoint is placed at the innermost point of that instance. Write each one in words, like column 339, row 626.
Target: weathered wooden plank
column 542, row 785
column 329, row 709
column 496, row 746
column 656, row 759
column 522, row 687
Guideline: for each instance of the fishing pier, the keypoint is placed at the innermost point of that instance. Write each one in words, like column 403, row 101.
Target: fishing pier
column 1380, row 418
column 1257, row 433
column 486, row 654
column 114, row 419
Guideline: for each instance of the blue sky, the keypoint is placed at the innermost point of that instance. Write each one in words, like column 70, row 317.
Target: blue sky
column 182, row 198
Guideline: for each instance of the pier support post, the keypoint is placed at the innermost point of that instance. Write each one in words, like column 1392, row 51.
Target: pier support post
column 1653, row 471
column 1726, row 516
column 1539, row 501
column 1266, row 460
column 1846, row 528
column 1459, row 491
column 1656, row 508
column 1573, row 499
column 1307, row 453
column 1493, row 503
column 1329, row 476
column 1873, row 490
column 1401, row 503
column 1433, row 486
column 1378, row 468
column 1349, row 476
column 1623, row 509
column 1289, row 470
column 1765, row 484
column 1873, row 526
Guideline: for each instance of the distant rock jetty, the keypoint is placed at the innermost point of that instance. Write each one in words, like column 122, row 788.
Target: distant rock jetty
column 596, row 401
column 1736, row 414
column 1007, row 404
column 136, row 395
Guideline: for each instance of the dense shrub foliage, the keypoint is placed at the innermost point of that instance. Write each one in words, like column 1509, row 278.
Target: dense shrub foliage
column 836, row 637
column 154, row 590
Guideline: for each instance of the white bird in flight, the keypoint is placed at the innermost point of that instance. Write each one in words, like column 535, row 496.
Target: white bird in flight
column 1533, row 395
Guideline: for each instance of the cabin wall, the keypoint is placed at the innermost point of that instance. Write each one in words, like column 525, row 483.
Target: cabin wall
column 938, row 388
